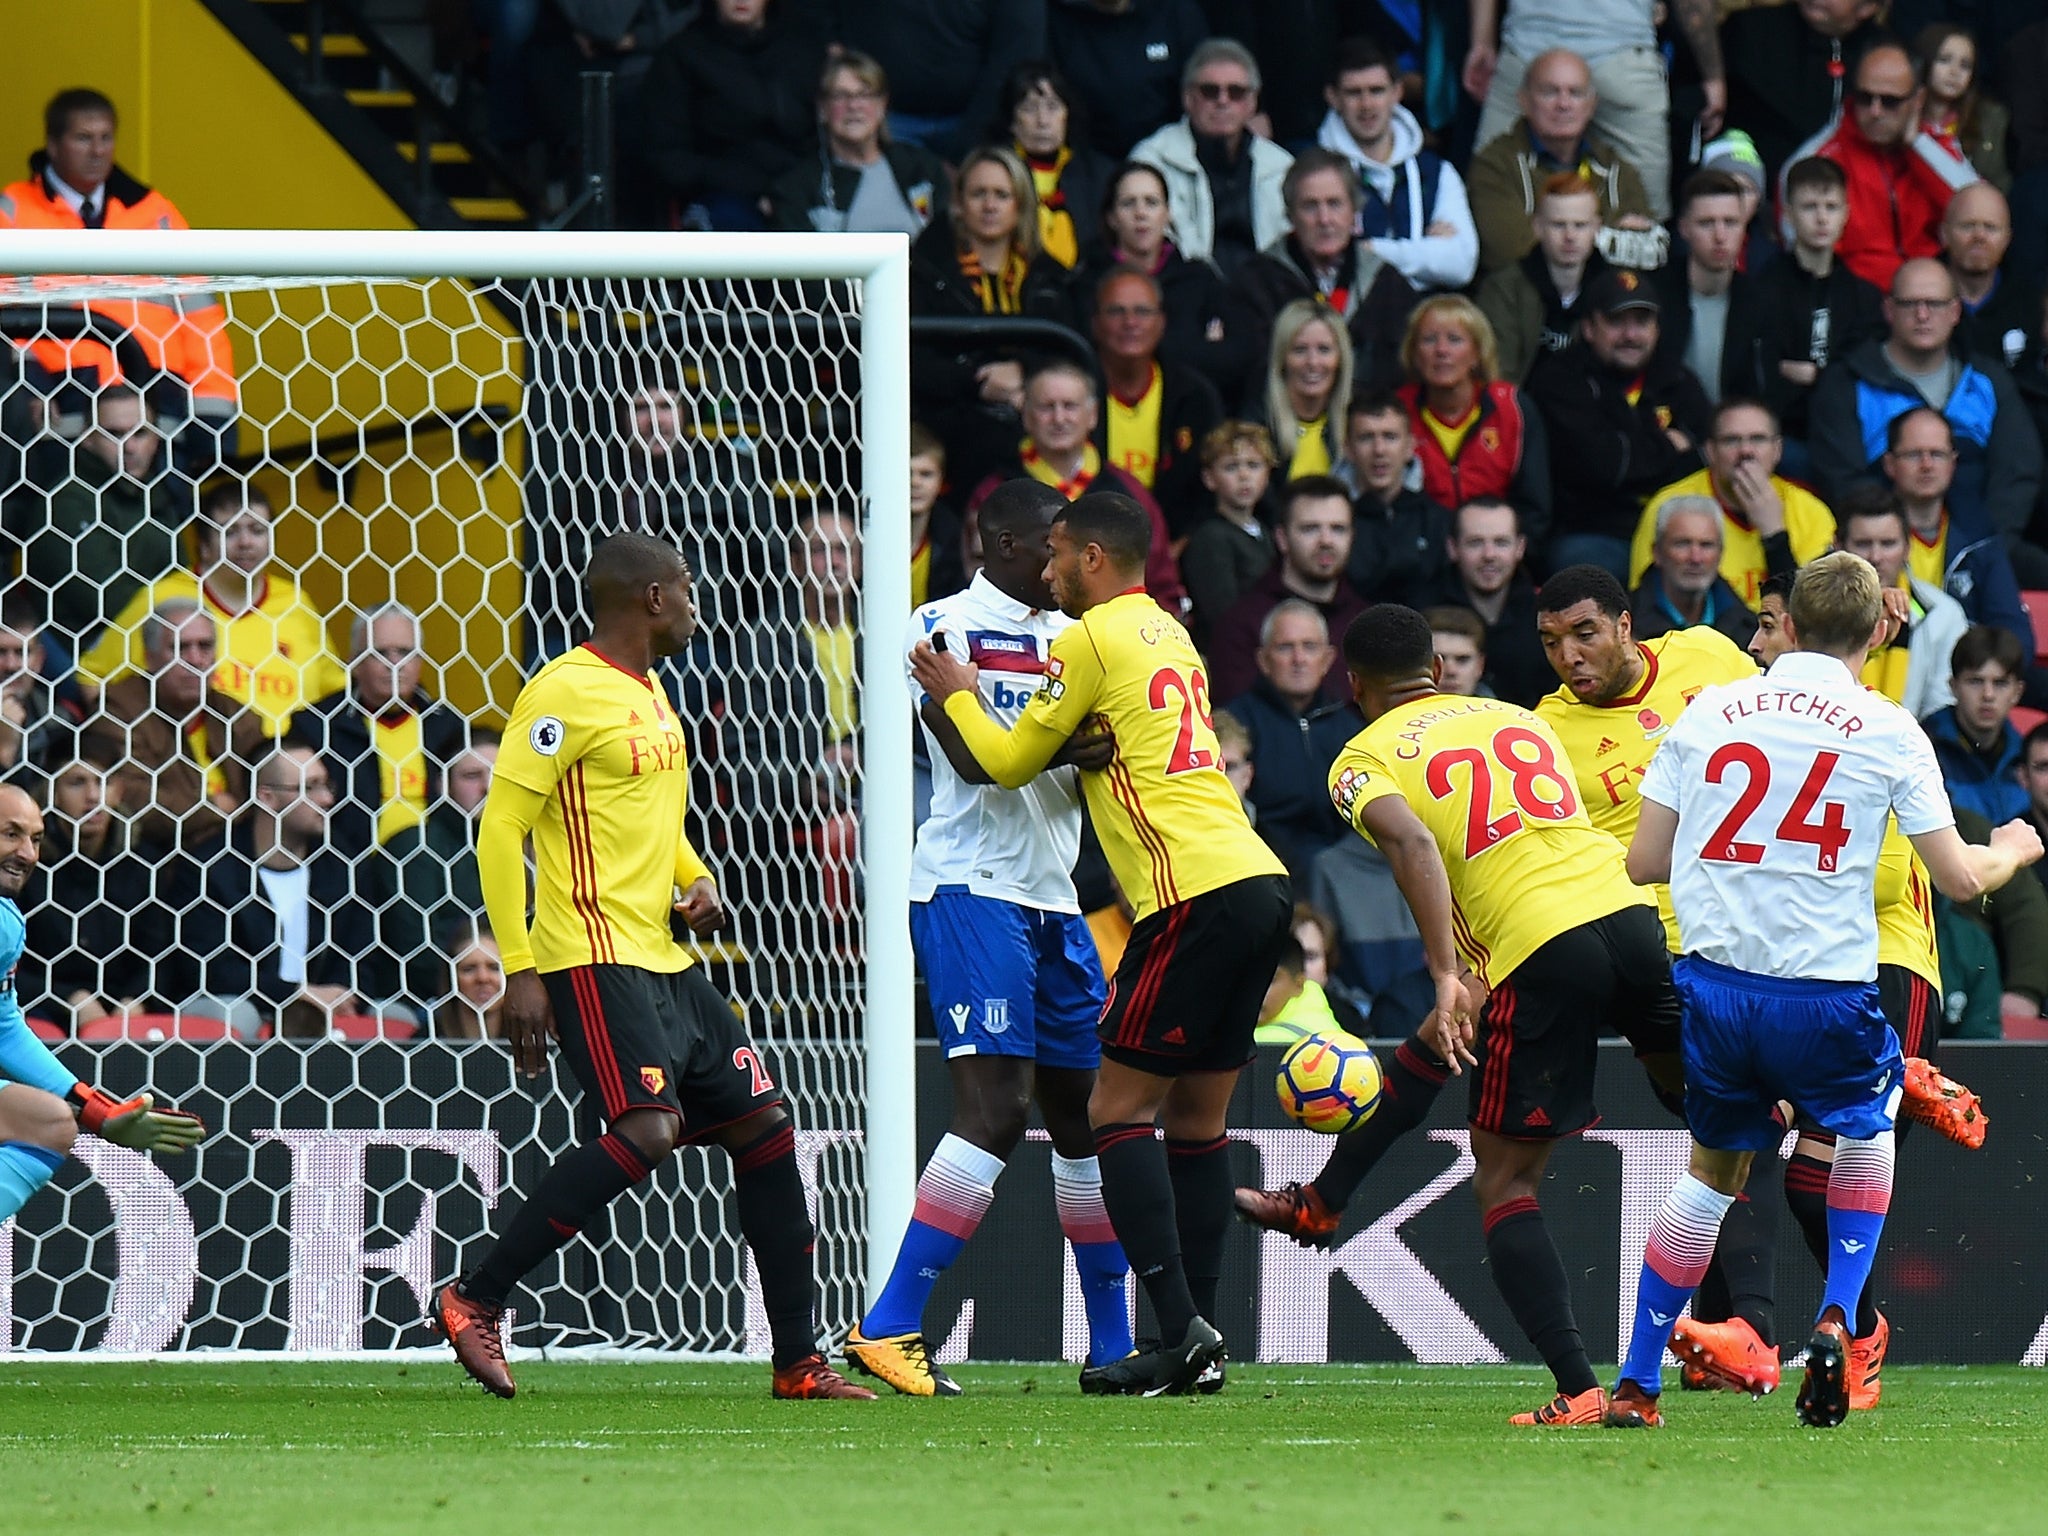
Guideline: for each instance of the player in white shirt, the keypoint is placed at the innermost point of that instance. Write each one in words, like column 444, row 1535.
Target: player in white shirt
column 1764, row 810
column 1008, row 961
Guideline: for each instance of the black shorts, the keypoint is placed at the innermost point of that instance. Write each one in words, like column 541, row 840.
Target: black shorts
column 1186, row 995
column 1911, row 1007
column 1539, row 1037
column 650, row 1040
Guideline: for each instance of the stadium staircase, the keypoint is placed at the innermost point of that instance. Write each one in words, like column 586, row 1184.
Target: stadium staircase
column 348, row 64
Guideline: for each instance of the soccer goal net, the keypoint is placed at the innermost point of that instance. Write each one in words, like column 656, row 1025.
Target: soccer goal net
column 394, row 486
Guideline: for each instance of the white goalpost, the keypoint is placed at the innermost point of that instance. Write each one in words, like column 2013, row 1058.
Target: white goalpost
column 445, row 420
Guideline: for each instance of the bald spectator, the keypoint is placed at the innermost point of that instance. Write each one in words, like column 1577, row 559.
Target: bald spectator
column 1914, row 669
column 1554, row 134
column 1618, row 41
column 385, row 740
column 1788, row 70
column 1222, row 179
column 2001, row 307
column 1954, row 550
column 74, row 184
column 1921, row 362
column 1487, row 575
column 1296, row 735
column 176, row 749
column 1320, row 258
column 1061, row 417
column 1900, row 178
column 1159, row 412
column 104, row 526
column 1313, row 541
column 1683, row 586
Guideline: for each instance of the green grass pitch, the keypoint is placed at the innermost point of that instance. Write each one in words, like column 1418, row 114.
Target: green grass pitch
column 684, row 1448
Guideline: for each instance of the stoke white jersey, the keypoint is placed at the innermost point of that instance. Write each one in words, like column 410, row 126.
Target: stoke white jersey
column 1012, row 844
column 1783, row 784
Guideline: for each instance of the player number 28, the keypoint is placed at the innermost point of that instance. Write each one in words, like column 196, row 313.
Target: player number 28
column 1528, row 761
column 1826, row 836
column 1192, row 692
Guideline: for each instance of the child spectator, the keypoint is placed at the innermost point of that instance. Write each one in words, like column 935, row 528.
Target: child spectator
column 1530, row 302
column 1957, row 116
column 936, row 568
column 1229, row 549
column 1815, row 308
column 1460, row 640
column 1974, row 738
column 1316, row 932
column 1234, row 746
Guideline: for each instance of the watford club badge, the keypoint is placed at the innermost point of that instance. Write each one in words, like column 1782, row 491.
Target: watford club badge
column 654, row 1078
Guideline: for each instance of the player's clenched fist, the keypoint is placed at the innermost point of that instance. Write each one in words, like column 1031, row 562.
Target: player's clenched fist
column 2020, row 838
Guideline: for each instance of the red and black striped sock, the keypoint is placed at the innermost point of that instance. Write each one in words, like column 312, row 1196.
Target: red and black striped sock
column 1137, row 1191
column 1409, row 1081
column 775, row 1219
column 579, row 1185
column 1532, row 1282
column 1202, row 1194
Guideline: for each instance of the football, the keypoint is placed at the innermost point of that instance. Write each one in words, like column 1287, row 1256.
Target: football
column 1329, row 1082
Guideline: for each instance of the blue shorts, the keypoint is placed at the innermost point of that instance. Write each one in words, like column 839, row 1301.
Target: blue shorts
column 1750, row 1041
column 1009, row 980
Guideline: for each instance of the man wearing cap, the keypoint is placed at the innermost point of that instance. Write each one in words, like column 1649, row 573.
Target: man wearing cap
column 1735, row 154
column 1623, row 420
column 1713, row 314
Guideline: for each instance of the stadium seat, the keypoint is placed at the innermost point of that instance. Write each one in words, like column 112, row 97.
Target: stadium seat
column 47, row 1032
column 155, row 1026
column 2037, row 611
column 367, row 1026
column 2019, row 1025
column 2024, row 719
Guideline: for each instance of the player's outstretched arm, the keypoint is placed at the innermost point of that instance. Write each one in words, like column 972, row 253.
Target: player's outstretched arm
column 1965, row 871
column 1418, row 869
column 1649, row 851
column 509, row 814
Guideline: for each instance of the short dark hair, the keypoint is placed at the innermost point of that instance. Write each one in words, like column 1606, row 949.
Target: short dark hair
column 1127, row 169
column 1456, row 619
column 1815, row 171
column 1115, row 522
column 1311, row 488
column 22, row 610
column 1896, row 427
column 1706, row 184
column 1988, row 645
column 1458, row 516
column 625, row 565
column 2037, row 735
column 1389, row 641
column 1287, row 957
column 1016, row 503
column 68, row 104
column 1576, row 584
column 222, row 499
column 1870, row 501
column 1742, row 403
column 1355, row 54
column 1779, row 585
column 1375, row 401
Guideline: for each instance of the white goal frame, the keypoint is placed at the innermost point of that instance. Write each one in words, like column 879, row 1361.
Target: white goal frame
column 881, row 264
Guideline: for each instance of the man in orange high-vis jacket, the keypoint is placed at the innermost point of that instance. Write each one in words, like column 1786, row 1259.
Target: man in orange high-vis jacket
column 73, row 183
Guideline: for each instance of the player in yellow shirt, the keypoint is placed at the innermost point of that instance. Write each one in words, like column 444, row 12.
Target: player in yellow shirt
column 1213, row 911
column 593, row 768
column 1473, row 804
column 274, row 652
column 1619, row 696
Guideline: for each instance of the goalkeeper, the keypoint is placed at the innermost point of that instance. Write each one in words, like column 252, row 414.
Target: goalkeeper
column 42, row 1106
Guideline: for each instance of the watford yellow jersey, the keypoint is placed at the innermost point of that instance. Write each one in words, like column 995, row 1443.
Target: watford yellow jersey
column 1495, row 788
column 1905, row 909
column 1171, row 825
column 273, row 654
column 1610, row 745
column 1809, row 528
column 606, row 749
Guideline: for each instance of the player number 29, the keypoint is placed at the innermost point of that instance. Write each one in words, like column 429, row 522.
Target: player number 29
column 1192, row 693
column 1526, row 758
column 1826, row 836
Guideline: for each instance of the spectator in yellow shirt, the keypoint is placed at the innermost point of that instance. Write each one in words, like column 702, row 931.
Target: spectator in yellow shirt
column 275, row 655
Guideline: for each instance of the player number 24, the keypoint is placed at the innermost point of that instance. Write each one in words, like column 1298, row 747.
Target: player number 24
column 1528, row 761
column 1826, row 836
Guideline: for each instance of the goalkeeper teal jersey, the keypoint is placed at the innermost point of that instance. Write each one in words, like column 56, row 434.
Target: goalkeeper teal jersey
column 23, row 1058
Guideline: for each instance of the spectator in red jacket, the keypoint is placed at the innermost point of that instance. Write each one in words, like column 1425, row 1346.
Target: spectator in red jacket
column 1900, row 178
